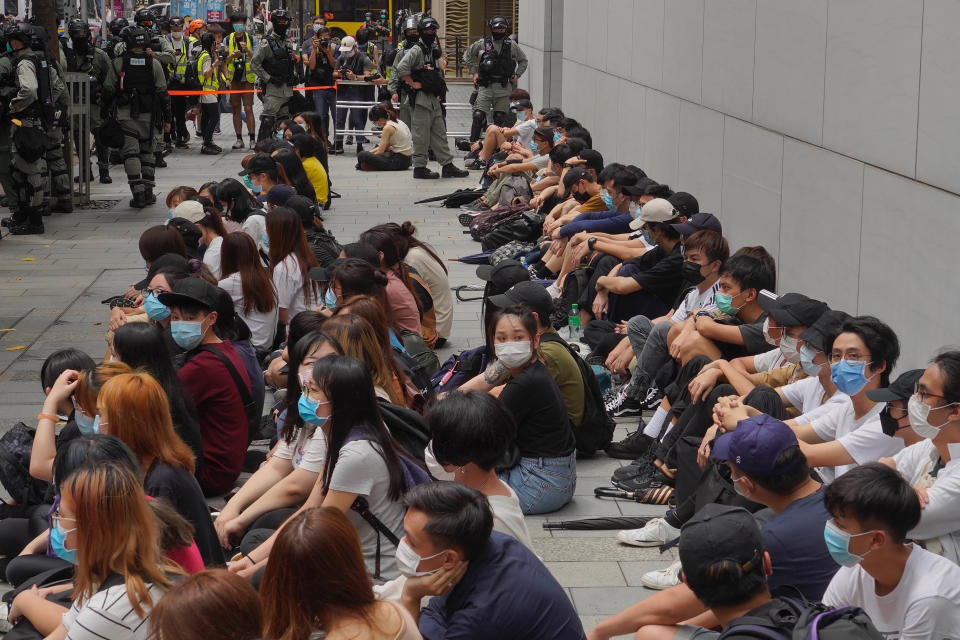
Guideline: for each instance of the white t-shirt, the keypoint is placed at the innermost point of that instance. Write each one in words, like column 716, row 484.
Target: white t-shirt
column 401, row 141
column 255, row 226
column 525, row 131
column 805, row 394
column 508, row 518
column 108, row 614
column 695, row 300
column 768, row 360
column 211, row 257
column 863, row 438
column 288, row 280
column 307, row 451
column 925, row 605
column 939, row 526
column 263, row 326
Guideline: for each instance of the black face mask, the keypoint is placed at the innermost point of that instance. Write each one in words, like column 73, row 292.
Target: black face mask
column 691, row 273
column 412, row 39
column 581, row 196
column 80, row 45
column 499, row 36
column 888, row 424
column 428, row 38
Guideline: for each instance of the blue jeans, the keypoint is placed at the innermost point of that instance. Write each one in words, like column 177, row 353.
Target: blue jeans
column 325, row 103
column 543, row 485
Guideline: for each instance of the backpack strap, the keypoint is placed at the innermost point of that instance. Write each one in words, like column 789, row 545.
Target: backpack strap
column 245, row 394
column 362, row 507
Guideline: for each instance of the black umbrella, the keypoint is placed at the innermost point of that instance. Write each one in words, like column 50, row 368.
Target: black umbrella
column 590, row 524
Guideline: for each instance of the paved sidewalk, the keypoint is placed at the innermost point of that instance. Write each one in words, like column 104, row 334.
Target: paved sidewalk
column 51, row 287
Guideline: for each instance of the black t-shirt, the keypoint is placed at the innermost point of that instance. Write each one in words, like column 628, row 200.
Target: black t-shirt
column 182, row 491
column 753, row 341
column 543, row 426
column 660, row 272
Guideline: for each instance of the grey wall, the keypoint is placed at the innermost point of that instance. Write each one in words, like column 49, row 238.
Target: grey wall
column 826, row 130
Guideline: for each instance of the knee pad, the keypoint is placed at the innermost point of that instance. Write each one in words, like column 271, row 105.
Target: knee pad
column 479, row 125
column 501, row 118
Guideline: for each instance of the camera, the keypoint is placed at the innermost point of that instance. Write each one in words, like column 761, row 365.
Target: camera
column 325, row 43
column 221, row 52
column 373, row 76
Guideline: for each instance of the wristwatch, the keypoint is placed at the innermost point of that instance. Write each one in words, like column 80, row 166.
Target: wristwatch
column 591, row 243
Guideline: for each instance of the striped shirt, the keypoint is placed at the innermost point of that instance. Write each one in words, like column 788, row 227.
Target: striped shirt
column 108, row 615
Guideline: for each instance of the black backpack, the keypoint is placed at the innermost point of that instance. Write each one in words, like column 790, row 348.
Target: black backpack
column 596, row 430
column 15, row 447
column 799, row 621
column 459, row 368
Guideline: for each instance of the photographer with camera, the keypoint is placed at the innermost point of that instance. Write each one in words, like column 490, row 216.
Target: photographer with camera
column 239, row 53
column 210, row 70
column 319, row 59
column 353, row 64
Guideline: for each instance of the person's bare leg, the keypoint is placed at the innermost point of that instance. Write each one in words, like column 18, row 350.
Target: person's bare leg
column 656, row 632
column 667, row 607
column 569, row 262
column 237, row 122
column 491, row 142
column 251, row 124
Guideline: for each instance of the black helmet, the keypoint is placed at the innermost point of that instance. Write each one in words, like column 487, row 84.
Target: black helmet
column 428, row 22
column 499, row 22
column 207, row 40
column 38, row 38
column 163, row 23
column 176, row 21
column 19, row 32
column 411, row 23
column 280, row 18
column 117, row 25
column 77, row 28
column 135, row 37
column 144, row 18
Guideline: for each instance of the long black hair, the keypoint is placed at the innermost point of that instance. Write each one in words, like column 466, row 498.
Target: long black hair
column 238, row 198
column 295, row 173
column 89, row 450
column 347, row 384
column 299, row 351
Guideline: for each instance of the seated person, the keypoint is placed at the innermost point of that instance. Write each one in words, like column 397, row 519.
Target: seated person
column 497, row 137
column 534, row 164
column 620, row 206
column 908, row 592
column 585, row 191
column 491, row 583
column 396, row 144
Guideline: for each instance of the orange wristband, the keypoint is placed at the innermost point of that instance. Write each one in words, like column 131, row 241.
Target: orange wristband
column 47, row 416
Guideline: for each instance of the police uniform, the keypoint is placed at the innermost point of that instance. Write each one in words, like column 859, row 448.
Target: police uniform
column 273, row 63
column 164, row 53
column 57, row 191
column 137, row 84
column 7, row 91
column 494, row 61
column 96, row 64
column 396, row 86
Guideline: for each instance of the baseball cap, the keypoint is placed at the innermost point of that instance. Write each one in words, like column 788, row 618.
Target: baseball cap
column 279, row 194
column 260, row 163
column 826, row 327
column 521, row 104
column 304, row 206
column 657, row 210
column 189, row 210
column 685, row 203
column 191, row 291
column 348, row 43
column 792, row 309
column 638, row 188
column 574, row 175
column 164, row 261
column 324, row 274
column 528, row 294
column 718, row 533
column 697, row 222
column 504, row 274
column 900, row 389
column 754, row 446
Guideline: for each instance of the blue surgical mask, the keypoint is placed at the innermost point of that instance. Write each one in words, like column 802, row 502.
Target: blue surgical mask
column 85, row 423
column 238, row 27
column 807, row 354
column 533, row 146
column 647, row 238
column 278, row 135
column 169, row 214
column 58, row 542
column 307, row 409
column 187, row 333
column 96, row 424
column 607, row 199
column 317, row 27
column 155, row 309
column 265, row 240
column 634, row 210
column 521, row 116
column 556, row 138
column 838, row 545
column 330, row 299
column 849, row 376
column 725, row 303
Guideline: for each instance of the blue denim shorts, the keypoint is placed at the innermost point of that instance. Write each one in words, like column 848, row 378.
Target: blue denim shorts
column 543, row 485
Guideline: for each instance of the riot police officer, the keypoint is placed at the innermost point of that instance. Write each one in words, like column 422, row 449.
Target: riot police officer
column 32, row 111
column 496, row 62
column 274, row 64
column 83, row 57
column 399, row 95
column 7, row 92
column 422, row 70
column 113, row 44
column 182, row 46
column 138, row 87
column 160, row 48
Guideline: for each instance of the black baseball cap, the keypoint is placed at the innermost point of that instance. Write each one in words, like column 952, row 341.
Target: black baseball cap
column 638, row 188
column 685, row 203
column 260, row 163
column 792, row 309
column 825, row 328
column 719, row 533
column 166, row 260
column 279, row 194
column 521, row 104
column 530, row 295
column 504, row 274
column 304, row 206
column 900, row 389
column 755, row 445
column 192, row 291
column 324, row 274
column 573, row 176
column 696, row 222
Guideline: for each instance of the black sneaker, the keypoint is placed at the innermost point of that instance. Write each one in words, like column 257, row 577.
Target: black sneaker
column 477, row 165
column 462, row 144
column 653, row 398
column 425, row 173
column 452, row 171
column 623, row 406
column 644, row 482
column 26, row 229
column 631, row 447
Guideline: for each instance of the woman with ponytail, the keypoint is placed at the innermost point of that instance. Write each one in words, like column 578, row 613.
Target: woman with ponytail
column 423, row 259
column 406, row 307
column 396, row 144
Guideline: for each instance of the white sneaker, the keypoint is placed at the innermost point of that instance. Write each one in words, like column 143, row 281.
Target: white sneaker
column 662, row 578
column 654, row 534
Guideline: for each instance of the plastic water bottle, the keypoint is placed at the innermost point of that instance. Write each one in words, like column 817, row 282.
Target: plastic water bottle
column 574, row 322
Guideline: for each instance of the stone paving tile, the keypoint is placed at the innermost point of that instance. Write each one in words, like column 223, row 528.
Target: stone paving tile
column 587, row 574
column 606, row 601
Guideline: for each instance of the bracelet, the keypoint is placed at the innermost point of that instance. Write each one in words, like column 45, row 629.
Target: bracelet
column 702, row 313
column 47, row 416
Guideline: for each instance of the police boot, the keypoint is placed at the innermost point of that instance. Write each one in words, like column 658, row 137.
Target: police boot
column 31, row 223
column 63, row 204
column 15, row 219
column 452, row 171
column 424, row 173
column 104, row 173
column 158, row 160
column 138, row 201
column 148, row 196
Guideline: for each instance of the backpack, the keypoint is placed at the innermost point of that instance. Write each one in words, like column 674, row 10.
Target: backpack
column 485, row 222
column 799, row 621
column 513, row 250
column 418, row 386
column 596, row 430
column 191, row 78
column 515, row 189
column 459, row 368
column 15, row 447
column 527, row 227
column 407, row 427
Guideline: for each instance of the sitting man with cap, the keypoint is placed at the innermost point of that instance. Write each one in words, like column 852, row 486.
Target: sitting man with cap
column 262, row 172
column 497, row 137
column 279, row 195
column 210, row 375
column 768, row 468
column 324, row 246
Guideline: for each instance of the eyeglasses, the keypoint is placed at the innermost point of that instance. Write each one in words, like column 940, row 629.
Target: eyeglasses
column 890, row 409
column 853, row 357
column 923, row 395
column 58, row 523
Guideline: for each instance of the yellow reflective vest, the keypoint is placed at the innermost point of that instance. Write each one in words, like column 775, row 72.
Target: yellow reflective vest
column 208, row 84
column 231, row 47
column 180, row 68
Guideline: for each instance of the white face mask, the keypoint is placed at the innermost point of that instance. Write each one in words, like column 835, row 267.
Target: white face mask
column 435, row 468
column 513, row 354
column 766, row 333
column 408, row 560
column 176, row 35
column 919, row 412
column 788, row 347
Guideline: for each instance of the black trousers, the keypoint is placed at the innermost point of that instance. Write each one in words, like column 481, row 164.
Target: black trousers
column 389, row 161
column 211, row 116
column 178, row 104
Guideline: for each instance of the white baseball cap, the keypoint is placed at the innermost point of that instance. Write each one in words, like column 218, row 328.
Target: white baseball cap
column 348, row 44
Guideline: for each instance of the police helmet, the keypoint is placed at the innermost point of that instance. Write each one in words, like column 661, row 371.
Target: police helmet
column 176, row 21
column 38, row 37
column 428, row 22
column 144, row 18
column 499, row 22
column 78, row 28
column 135, row 37
column 280, row 18
column 163, row 23
column 19, row 32
column 117, row 25
column 412, row 23
column 207, row 40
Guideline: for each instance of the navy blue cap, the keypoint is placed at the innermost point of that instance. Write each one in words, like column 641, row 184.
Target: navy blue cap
column 755, row 445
